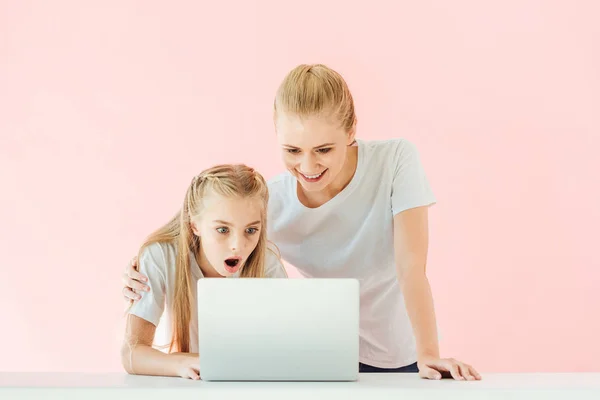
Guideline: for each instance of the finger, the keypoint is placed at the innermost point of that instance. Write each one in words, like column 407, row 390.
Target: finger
column 464, row 372
column 193, row 374
column 454, row 371
column 130, row 294
column 474, row 373
column 132, row 270
column 429, row 373
column 134, row 274
column 133, row 284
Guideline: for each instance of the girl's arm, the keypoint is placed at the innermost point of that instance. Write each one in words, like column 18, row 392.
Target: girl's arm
column 140, row 358
column 411, row 241
column 137, row 354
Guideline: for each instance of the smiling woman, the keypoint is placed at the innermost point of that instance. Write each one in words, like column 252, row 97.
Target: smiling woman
column 315, row 122
column 319, row 159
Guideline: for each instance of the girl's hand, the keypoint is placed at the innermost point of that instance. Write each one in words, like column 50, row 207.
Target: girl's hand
column 133, row 282
column 438, row 368
column 188, row 366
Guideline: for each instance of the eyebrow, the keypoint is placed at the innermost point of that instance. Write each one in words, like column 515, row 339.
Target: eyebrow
column 218, row 221
column 314, row 148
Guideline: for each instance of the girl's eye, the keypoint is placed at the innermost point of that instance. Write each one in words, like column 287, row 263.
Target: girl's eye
column 222, row 230
column 325, row 150
column 251, row 231
column 292, row 151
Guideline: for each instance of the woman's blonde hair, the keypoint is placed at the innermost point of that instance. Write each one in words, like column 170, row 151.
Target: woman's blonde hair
column 236, row 180
column 315, row 89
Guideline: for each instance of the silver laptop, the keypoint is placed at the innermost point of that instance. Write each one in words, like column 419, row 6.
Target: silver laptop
column 252, row 329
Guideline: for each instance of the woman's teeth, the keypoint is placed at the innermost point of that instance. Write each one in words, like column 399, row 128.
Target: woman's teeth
column 313, row 176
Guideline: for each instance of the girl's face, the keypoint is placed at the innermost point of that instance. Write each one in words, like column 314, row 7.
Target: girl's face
column 314, row 149
column 228, row 229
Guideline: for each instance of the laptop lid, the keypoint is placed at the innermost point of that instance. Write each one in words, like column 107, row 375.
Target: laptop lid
column 253, row 329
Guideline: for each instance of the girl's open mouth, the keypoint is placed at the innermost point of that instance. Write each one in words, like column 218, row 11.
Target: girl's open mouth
column 232, row 264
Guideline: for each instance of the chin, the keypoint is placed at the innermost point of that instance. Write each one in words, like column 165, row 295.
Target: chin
column 312, row 187
column 227, row 274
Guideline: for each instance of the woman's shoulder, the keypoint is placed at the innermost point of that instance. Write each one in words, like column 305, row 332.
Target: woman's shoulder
column 273, row 265
column 391, row 154
column 392, row 147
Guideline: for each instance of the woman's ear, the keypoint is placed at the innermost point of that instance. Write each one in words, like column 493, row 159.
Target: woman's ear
column 352, row 134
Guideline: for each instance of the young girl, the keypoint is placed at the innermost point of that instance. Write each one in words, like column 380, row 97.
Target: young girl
column 220, row 232
column 351, row 208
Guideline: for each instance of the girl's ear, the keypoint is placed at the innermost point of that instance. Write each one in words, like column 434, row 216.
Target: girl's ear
column 195, row 229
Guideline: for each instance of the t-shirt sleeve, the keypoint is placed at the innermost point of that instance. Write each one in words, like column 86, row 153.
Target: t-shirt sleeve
column 152, row 263
column 273, row 266
column 410, row 187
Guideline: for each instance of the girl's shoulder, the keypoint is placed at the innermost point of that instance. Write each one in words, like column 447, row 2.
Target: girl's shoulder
column 273, row 249
column 159, row 256
column 273, row 265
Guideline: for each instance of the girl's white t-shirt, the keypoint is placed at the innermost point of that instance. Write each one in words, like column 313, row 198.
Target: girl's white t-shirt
column 351, row 236
column 157, row 262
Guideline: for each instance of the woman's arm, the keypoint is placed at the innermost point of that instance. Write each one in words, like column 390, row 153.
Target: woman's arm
column 411, row 241
column 140, row 358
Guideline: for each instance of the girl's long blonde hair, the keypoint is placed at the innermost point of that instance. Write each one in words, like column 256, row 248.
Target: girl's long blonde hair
column 228, row 181
column 315, row 89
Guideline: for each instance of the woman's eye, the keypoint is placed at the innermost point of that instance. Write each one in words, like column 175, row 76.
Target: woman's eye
column 293, row 151
column 222, row 230
column 251, row 231
column 325, row 150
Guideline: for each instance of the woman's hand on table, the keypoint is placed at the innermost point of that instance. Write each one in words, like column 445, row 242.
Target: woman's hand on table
column 438, row 368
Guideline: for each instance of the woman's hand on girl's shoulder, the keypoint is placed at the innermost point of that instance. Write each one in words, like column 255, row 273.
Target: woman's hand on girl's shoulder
column 133, row 282
column 438, row 368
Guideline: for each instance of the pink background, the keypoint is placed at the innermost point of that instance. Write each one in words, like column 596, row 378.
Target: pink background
column 108, row 110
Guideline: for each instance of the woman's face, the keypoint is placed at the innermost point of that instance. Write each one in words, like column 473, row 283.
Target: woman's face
column 314, row 149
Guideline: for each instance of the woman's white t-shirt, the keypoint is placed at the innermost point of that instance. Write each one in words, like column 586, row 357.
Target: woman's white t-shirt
column 351, row 236
column 157, row 262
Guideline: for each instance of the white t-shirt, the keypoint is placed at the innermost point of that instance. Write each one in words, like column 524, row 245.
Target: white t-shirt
column 157, row 262
column 351, row 236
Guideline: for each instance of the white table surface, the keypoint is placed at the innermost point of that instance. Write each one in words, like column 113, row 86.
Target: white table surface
column 113, row 386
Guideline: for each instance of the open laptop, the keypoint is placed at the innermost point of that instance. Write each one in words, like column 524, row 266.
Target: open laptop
column 254, row 329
